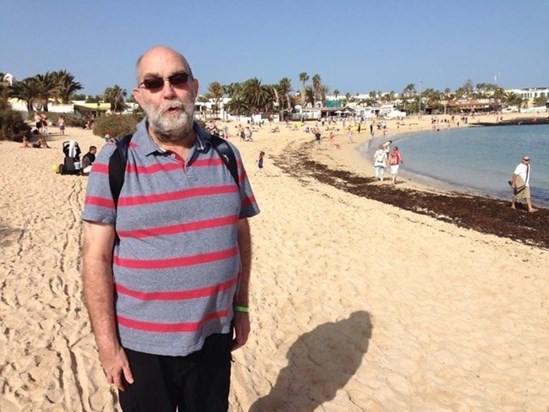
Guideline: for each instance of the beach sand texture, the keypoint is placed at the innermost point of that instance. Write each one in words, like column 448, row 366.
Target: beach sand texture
column 355, row 305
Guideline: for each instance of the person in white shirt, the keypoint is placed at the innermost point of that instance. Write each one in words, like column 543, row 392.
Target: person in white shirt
column 521, row 184
column 380, row 162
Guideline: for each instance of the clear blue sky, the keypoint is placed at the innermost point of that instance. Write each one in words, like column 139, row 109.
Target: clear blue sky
column 354, row 45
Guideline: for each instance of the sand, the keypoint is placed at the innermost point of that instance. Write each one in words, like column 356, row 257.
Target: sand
column 355, row 305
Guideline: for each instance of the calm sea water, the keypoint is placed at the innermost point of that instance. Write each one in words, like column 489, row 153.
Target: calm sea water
column 478, row 160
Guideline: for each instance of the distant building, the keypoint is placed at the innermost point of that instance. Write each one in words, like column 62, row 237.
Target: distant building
column 528, row 94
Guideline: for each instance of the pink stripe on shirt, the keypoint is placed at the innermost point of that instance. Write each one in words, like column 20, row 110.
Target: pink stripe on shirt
column 176, row 262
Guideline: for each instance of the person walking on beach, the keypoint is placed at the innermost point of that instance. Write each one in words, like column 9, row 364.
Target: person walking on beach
column 395, row 159
column 317, row 134
column 380, row 162
column 520, row 183
column 166, row 266
column 350, row 135
column 260, row 161
column 61, row 125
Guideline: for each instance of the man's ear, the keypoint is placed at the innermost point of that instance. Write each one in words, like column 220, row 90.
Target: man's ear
column 137, row 95
column 195, row 87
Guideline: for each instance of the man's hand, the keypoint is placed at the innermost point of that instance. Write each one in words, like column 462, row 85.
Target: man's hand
column 116, row 366
column 241, row 329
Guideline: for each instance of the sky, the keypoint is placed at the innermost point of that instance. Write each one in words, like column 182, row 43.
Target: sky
column 356, row 46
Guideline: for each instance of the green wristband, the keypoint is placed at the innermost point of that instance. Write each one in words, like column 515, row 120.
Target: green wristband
column 242, row 309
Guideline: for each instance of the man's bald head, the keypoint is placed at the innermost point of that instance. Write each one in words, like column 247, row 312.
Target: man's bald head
column 160, row 53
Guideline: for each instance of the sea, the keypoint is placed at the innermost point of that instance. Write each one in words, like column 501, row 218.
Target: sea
column 477, row 160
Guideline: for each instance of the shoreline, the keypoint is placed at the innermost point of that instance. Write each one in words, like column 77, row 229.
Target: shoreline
column 357, row 156
column 495, row 217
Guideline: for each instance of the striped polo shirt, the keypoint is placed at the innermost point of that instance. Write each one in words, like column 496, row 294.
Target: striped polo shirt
column 176, row 266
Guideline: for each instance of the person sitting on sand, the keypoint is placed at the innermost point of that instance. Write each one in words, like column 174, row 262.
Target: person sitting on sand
column 521, row 184
column 25, row 143
column 41, row 143
column 88, row 159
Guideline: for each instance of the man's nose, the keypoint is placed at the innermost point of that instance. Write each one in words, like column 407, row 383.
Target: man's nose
column 168, row 89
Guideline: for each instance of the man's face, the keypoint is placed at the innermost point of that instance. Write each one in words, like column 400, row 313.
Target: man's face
column 167, row 100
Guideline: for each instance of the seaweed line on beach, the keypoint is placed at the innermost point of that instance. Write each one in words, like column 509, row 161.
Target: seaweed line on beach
column 483, row 214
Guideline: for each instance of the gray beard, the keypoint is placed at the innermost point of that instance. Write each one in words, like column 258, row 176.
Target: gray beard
column 171, row 130
column 168, row 128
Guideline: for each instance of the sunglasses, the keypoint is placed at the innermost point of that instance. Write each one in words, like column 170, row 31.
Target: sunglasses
column 526, row 160
column 155, row 84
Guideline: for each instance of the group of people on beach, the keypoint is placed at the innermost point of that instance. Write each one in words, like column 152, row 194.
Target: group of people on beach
column 385, row 156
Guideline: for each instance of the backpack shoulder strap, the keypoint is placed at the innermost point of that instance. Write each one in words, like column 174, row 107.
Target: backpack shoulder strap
column 117, row 167
column 227, row 155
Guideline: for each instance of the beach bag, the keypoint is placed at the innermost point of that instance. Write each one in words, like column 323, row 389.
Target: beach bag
column 520, row 185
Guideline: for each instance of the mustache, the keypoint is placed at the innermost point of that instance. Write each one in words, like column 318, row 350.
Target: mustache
column 178, row 104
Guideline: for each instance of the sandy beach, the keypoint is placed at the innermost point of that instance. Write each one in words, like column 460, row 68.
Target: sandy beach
column 356, row 304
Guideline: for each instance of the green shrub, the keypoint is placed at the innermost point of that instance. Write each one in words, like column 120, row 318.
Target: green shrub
column 115, row 125
column 12, row 125
column 74, row 120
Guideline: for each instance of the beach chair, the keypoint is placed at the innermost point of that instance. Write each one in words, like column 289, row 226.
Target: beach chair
column 71, row 163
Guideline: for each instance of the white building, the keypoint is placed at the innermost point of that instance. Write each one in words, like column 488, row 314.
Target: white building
column 528, row 94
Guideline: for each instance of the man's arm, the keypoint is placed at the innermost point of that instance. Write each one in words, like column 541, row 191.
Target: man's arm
column 242, row 320
column 99, row 297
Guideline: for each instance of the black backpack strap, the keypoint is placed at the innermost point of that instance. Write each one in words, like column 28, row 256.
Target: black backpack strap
column 227, row 155
column 117, row 167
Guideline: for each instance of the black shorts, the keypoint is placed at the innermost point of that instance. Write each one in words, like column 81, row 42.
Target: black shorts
column 196, row 382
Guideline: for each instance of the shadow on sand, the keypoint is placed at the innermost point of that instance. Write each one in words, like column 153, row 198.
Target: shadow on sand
column 319, row 364
column 8, row 235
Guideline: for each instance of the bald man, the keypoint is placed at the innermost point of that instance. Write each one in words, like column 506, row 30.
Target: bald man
column 166, row 269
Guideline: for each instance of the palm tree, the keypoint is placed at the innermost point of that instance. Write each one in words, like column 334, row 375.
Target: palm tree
column 115, row 96
column 347, row 98
column 469, row 88
column 233, row 89
column 309, row 95
column 317, row 82
column 434, row 98
column 215, row 90
column 257, row 96
column 409, row 90
column 66, row 86
column 284, row 87
column 336, row 93
column 512, row 99
column 303, row 78
column 237, row 105
column 323, row 91
column 46, row 87
column 26, row 90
